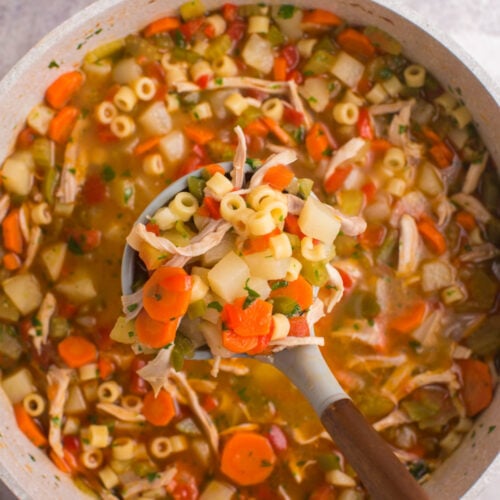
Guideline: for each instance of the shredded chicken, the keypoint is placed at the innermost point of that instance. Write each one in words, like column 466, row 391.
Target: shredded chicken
column 444, row 209
column 202, row 416
column 294, row 204
column 472, row 205
column 298, row 104
column 213, row 338
column 447, row 377
column 240, row 158
column 122, row 414
column 413, row 203
column 335, row 286
column 4, row 206
column 155, row 372
column 247, row 427
column 376, row 361
column 236, row 82
column 315, row 313
column 40, row 330
column 398, row 133
column 203, row 386
column 214, row 372
column 234, row 366
column 283, row 494
column 34, row 242
column 23, row 222
column 301, row 438
column 58, row 378
column 132, row 304
column 283, row 158
column 351, row 225
column 480, row 253
column 387, row 109
column 395, row 418
column 162, row 479
column 281, row 344
column 345, row 153
column 360, row 331
column 473, row 175
column 409, row 246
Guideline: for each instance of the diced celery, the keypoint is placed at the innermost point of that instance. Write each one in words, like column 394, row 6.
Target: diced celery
column 382, row 40
column 44, row 152
column 305, row 187
column 314, row 272
column 218, row 47
column 386, row 253
column 286, row 306
column 362, row 304
column 372, row 404
column 326, row 44
column 8, row 312
column 192, row 9
column 490, row 191
column 493, row 230
column 329, row 461
column 105, row 50
column 183, row 349
column 345, row 246
column 10, row 347
column 196, row 186
column 197, row 309
column 248, row 116
column 137, row 46
column 320, row 62
column 275, row 36
column 294, row 241
column 482, row 290
column 59, row 327
column 49, row 184
column 221, row 151
column 189, row 56
column 351, row 201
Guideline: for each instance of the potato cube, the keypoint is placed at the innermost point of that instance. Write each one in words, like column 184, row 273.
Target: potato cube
column 24, row 291
column 18, row 385
column 317, row 221
column 348, row 69
column 228, row 277
column 53, row 259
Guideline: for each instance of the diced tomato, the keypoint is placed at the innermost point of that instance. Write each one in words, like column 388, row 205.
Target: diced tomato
column 255, row 143
column 292, row 116
column 325, row 492
column 102, row 339
column 236, row 30
column 209, row 403
column 66, row 309
column 298, row 327
column 364, row 125
column 277, row 438
column 292, row 225
column 154, row 69
column 296, row 76
column 212, row 206
column 104, row 134
column 84, row 240
column 337, row 178
column 292, row 56
column 72, row 444
column 25, row 138
column 161, row 92
column 369, row 190
column 184, row 484
column 192, row 163
column 94, row 190
column 264, row 492
column 105, row 366
column 229, row 11
column 138, row 385
column 202, row 82
column 153, row 228
column 189, row 28
column 373, row 236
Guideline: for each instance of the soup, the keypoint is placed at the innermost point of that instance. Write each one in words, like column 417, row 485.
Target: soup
column 412, row 340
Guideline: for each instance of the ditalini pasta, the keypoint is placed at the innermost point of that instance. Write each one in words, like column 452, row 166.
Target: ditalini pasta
column 368, row 195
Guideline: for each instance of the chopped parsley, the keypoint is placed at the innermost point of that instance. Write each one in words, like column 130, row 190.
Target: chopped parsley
column 402, row 129
column 215, row 305
column 74, row 247
column 286, row 11
column 108, row 174
column 132, row 307
column 53, row 64
column 252, row 295
column 491, row 428
column 265, row 463
column 152, row 476
column 128, row 192
column 218, row 81
column 279, row 284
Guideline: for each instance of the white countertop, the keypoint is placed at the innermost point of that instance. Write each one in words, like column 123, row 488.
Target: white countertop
column 474, row 24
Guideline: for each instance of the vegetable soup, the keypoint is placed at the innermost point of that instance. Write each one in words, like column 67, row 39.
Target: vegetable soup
column 371, row 199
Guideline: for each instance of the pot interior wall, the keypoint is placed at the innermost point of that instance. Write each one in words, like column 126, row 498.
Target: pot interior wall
column 26, row 469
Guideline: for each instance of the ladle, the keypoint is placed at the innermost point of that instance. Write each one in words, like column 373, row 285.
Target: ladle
column 381, row 473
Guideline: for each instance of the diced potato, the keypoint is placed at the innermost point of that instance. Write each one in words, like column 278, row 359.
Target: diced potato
column 173, row 146
column 436, row 275
column 452, row 294
column 24, row 291
column 39, row 118
column 10, row 346
column 18, row 385
column 218, row 490
column 76, row 402
column 228, row 277
column 258, row 54
column 339, row 478
column 8, row 312
column 123, row 192
column 259, row 285
column 348, row 69
column 78, row 288
column 123, row 331
column 17, row 175
column 156, row 119
column 127, row 71
column 428, row 180
column 315, row 92
column 53, row 259
column 317, row 221
column 264, row 265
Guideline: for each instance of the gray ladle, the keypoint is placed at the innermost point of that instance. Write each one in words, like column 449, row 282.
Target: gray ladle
column 382, row 474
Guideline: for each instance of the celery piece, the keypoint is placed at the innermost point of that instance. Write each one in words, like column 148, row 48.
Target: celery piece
column 314, row 272
column 275, row 36
column 183, row 348
column 248, row 116
column 320, row 62
column 183, row 229
column 345, row 246
column 105, row 50
column 286, row 306
column 44, row 152
column 137, row 46
column 362, row 304
column 294, row 241
column 145, row 469
column 421, row 410
column 59, row 327
column 218, row 47
column 49, row 184
column 387, row 251
column 189, row 56
column 326, row 44
column 196, row 186
column 351, row 201
column 485, row 341
column 382, row 40
column 305, row 187
column 372, row 404
column 490, row 191
column 196, row 309
column 10, row 347
column 192, row 9
column 329, row 461
column 221, row 151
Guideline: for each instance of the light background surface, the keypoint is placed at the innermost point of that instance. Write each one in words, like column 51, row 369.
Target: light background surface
column 474, row 24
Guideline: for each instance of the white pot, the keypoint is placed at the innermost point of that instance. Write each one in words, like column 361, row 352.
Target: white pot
column 25, row 469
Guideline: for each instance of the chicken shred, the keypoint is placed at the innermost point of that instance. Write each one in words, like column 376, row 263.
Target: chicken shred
column 240, row 159
column 162, row 479
column 40, row 333
column 122, row 414
column 156, row 371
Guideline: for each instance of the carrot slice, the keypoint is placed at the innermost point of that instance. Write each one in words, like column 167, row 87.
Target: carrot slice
column 154, row 333
column 300, row 290
column 11, row 232
column 199, row 133
column 380, row 146
column 356, row 43
column 466, row 220
column 159, row 410
column 106, row 367
column 410, row 319
column 373, row 236
column 317, row 142
column 279, row 69
column 477, row 390
column 238, row 343
column 213, row 168
column 337, row 179
column 256, row 128
column 160, row 25
column 323, row 17
column 147, row 145
column 369, row 190
column 77, row 351
column 28, row 426
column 248, row 320
column 278, row 177
column 258, row 243
column 248, row 458
column 441, row 154
column 11, row 261
column 162, row 298
column 434, row 239
column 276, row 129
column 67, row 463
column 59, row 93
column 62, row 124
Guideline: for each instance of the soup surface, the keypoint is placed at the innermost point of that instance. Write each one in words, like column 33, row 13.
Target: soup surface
column 413, row 333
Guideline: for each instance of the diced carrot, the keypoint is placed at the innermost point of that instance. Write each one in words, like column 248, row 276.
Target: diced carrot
column 77, row 351
column 212, row 206
column 441, row 154
column 106, row 367
column 292, row 116
column 337, row 178
column 59, row 93
column 380, row 146
column 276, row 129
column 258, row 243
column 67, row 463
column 364, row 125
column 299, row 327
column 466, row 220
column 62, row 124
column 410, row 319
column 229, row 11
column 262, row 344
column 11, row 232
column 431, row 135
column 238, row 343
column 317, row 143
column 147, row 145
column 160, row 302
column 213, row 169
column 198, row 133
column 209, row 403
column 161, row 25
column 322, row 17
column 28, row 426
column 190, row 28
column 477, row 390
column 356, row 43
column 278, row 177
column 247, row 458
column 25, row 138
column 369, row 190
column 434, row 239
column 373, row 236
column 151, row 227
column 248, row 320
column 11, row 261
column 300, row 290
column 364, row 85
column 104, row 134
column 256, row 128
column 159, row 410
column 280, row 69
column 292, row 225
column 154, row 333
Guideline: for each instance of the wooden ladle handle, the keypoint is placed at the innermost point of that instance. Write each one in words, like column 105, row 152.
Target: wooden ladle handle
column 381, row 473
